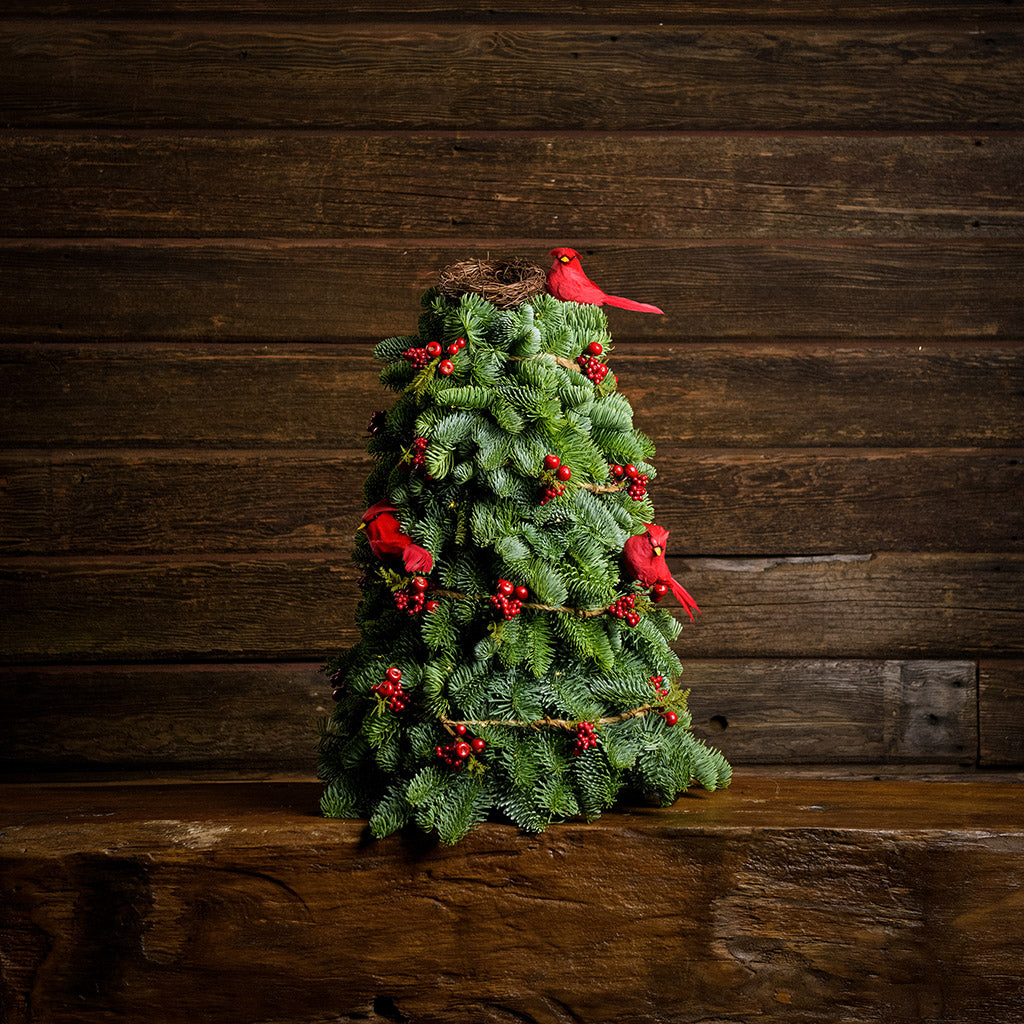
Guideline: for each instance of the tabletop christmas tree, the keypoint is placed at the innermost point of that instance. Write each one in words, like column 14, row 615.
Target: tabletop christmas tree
column 515, row 657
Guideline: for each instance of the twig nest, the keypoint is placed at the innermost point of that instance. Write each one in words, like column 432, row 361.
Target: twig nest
column 504, row 283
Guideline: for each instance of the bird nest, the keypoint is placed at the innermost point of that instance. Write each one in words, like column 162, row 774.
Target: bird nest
column 504, row 283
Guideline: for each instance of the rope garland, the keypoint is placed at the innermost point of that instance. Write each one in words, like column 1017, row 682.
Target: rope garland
column 581, row 613
column 561, row 360
column 546, row 722
column 604, row 488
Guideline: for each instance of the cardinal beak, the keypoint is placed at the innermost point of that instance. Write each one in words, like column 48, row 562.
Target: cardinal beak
column 361, row 526
column 658, row 550
column 565, row 259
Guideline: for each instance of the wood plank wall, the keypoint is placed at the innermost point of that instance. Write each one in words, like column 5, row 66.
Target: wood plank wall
column 212, row 211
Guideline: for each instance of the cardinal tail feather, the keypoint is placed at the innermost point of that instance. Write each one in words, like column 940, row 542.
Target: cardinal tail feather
column 639, row 307
column 417, row 559
column 684, row 599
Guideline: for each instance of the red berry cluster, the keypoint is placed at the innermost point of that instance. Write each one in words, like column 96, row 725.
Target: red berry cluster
column 658, row 591
column 456, row 753
column 390, row 688
column 419, row 454
column 622, row 608
column 509, row 598
column 585, row 738
column 593, row 368
column 662, row 691
column 413, row 598
column 417, row 357
column 553, row 465
column 446, row 367
column 637, row 481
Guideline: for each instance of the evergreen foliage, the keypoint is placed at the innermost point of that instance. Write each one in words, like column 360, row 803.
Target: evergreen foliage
column 480, row 498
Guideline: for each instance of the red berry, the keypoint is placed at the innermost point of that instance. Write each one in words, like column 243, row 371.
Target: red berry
column 445, row 367
column 595, row 348
column 420, row 583
column 337, row 692
column 505, row 588
column 432, row 606
column 462, row 749
column 671, row 717
column 521, row 593
column 460, row 729
column 461, row 342
column 452, row 349
column 433, row 349
column 394, row 674
column 385, row 689
column 631, row 471
column 563, row 473
column 552, row 462
column 617, row 470
column 478, row 745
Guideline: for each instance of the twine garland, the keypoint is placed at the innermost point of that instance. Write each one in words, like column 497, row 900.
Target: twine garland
column 547, row 722
column 581, row 613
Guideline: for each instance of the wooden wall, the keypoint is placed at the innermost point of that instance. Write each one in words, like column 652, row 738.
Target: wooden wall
column 212, row 211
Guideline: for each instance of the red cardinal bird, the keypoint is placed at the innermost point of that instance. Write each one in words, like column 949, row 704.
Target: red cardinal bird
column 644, row 559
column 566, row 281
column 387, row 540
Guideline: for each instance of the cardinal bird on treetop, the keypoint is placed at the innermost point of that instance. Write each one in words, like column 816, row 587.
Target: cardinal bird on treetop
column 566, row 281
column 644, row 558
column 384, row 533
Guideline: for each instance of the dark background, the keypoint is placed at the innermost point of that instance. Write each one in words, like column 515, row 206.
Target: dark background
column 212, row 211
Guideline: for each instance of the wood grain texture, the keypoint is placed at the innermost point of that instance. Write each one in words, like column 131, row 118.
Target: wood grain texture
column 511, row 77
column 258, row 719
column 485, row 185
column 761, row 502
column 1001, row 712
column 212, row 211
column 902, row 395
column 775, row 900
column 297, row 607
column 249, row 719
column 774, row 502
column 789, row 711
column 297, row 291
column 175, row 502
column 607, row 12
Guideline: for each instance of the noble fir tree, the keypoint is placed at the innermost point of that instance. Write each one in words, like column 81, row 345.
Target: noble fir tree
column 514, row 661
